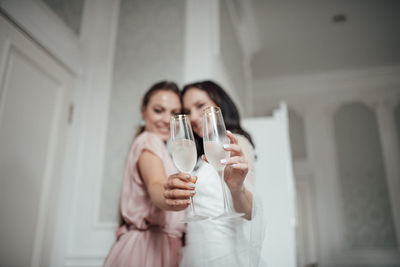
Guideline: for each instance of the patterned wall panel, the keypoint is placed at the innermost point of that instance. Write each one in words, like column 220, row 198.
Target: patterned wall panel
column 366, row 205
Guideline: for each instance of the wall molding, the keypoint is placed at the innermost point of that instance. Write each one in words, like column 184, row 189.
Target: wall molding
column 84, row 260
column 316, row 97
column 47, row 29
column 79, row 241
column 99, row 37
column 334, row 81
column 328, row 89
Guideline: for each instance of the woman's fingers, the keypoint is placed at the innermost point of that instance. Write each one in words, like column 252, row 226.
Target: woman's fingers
column 233, row 148
column 178, row 204
column 181, row 176
column 232, row 138
column 238, row 164
column 242, row 168
column 178, row 194
column 234, row 160
column 178, row 189
column 180, row 181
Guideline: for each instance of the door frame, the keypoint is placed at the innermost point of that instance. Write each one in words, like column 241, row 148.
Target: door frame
column 90, row 58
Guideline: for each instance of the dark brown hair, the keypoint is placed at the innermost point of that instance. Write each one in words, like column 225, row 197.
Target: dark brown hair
column 228, row 108
column 160, row 86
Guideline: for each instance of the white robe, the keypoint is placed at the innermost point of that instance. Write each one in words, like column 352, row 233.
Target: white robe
column 234, row 242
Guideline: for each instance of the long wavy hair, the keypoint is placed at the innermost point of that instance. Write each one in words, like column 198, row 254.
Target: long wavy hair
column 228, row 109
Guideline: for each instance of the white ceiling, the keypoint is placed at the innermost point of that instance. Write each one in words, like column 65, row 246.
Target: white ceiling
column 299, row 37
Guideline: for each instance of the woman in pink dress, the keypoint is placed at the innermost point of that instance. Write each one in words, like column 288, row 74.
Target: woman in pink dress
column 151, row 231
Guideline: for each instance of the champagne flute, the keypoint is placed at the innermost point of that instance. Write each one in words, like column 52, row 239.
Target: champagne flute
column 214, row 138
column 184, row 153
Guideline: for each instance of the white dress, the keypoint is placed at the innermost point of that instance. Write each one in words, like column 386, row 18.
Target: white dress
column 222, row 242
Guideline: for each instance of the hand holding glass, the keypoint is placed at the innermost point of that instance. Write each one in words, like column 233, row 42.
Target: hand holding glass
column 214, row 138
column 184, row 153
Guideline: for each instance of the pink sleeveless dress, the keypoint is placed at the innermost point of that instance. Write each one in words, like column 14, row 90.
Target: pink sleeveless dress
column 150, row 237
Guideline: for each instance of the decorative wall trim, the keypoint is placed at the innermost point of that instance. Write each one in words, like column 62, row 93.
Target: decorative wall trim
column 329, row 89
column 84, row 260
column 335, row 81
column 98, row 35
column 46, row 28
column 77, row 232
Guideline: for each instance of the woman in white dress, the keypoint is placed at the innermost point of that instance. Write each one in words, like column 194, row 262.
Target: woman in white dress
column 228, row 242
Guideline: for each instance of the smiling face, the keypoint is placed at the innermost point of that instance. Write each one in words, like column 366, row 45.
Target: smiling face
column 194, row 101
column 162, row 105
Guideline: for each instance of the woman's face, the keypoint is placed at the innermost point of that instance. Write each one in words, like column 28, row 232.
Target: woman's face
column 162, row 105
column 194, row 101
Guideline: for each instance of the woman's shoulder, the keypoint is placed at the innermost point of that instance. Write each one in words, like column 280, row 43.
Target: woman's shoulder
column 147, row 137
column 149, row 141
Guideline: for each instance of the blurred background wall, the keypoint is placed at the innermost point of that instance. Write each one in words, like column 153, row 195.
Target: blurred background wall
column 149, row 48
column 335, row 63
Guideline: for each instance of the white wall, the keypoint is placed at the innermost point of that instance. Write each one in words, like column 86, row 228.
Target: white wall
column 316, row 98
column 204, row 43
column 274, row 183
column 149, row 48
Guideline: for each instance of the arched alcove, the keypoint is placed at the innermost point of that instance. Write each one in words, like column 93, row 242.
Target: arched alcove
column 367, row 211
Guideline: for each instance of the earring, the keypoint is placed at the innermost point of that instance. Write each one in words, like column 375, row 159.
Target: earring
column 142, row 123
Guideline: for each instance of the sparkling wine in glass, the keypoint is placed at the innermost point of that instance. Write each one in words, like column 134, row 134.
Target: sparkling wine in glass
column 214, row 138
column 184, row 153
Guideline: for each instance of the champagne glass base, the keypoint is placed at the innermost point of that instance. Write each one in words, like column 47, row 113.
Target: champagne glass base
column 228, row 215
column 194, row 218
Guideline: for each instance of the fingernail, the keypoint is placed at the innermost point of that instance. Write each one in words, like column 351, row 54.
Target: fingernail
column 223, row 161
column 226, row 146
column 228, row 131
column 187, row 176
column 192, row 192
column 192, row 185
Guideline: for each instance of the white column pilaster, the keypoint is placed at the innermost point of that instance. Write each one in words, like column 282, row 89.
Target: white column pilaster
column 321, row 150
column 201, row 39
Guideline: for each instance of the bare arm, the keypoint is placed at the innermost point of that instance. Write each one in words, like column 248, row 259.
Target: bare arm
column 152, row 171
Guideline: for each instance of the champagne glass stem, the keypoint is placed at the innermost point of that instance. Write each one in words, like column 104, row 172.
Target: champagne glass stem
column 192, row 204
column 226, row 204
column 191, row 201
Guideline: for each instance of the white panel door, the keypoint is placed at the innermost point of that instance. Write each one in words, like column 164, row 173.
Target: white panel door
column 35, row 90
column 275, row 186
